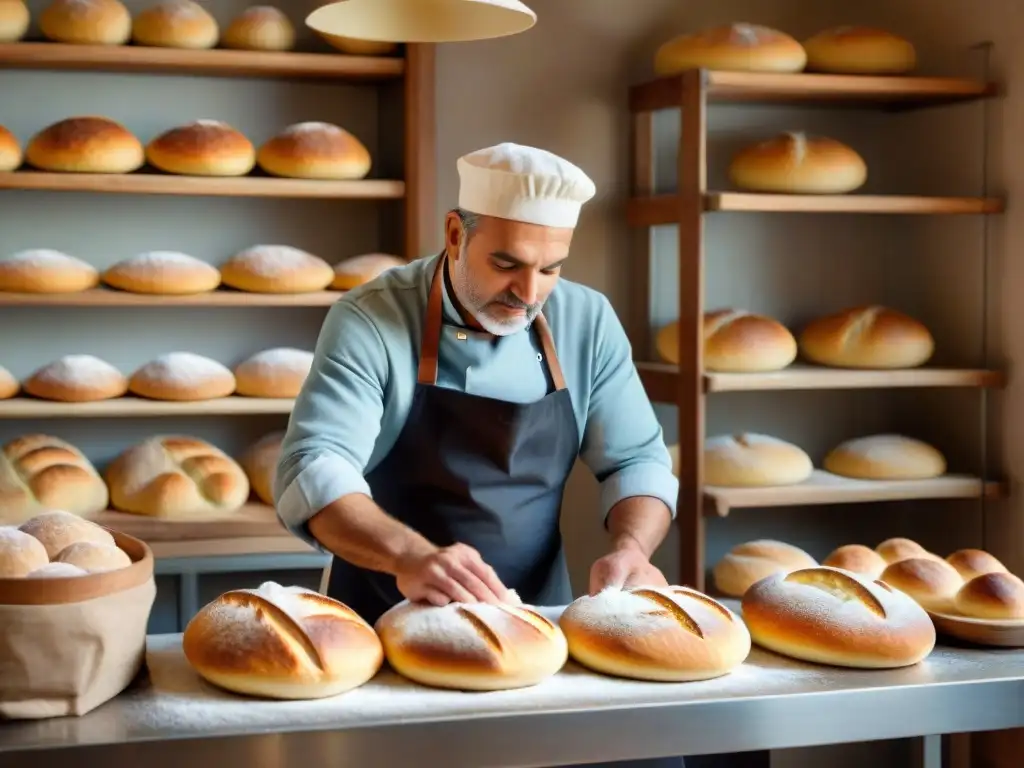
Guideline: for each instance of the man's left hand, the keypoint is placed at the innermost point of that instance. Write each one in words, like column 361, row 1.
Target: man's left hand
column 625, row 567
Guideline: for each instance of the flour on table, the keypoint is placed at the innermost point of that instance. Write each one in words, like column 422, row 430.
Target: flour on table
column 183, row 368
column 81, row 370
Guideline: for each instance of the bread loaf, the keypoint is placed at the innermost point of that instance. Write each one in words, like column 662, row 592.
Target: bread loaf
column 315, row 150
column 260, row 464
column 856, row 50
column 167, row 273
column 85, row 145
column 932, row 582
column 736, row 47
column 829, row 616
column 276, row 269
column 970, row 563
column 40, row 472
column 202, row 148
column 175, row 24
column 14, row 22
column 671, row 634
column 748, row 460
column 885, row 457
column 355, row 47
column 57, row 530
column 996, row 596
column 9, row 386
column 281, row 643
column 182, row 376
column 77, row 379
column 748, row 563
column 867, row 337
column 41, row 270
column 737, row 341
column 176, row 478
column 20, row 554
column 278, row 372
column 86, row 22
column 471, row 646
column 858, row 559
column 10, row 150
column 358, row 270
column 93, row 558
column 896, row 549
column 795, row 163
column 260, row 28
column 57, row 571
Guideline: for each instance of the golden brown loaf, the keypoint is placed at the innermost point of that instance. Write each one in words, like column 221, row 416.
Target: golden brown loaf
column 829, row 616
column 182, row 376
column 281, row 643
column 85, row 145
column 672, row 634
column 42, row 270
column 995, row 596
column 40, row 472
column 9, row 386
column 14, row 21
column 77, row 379
column 471, row 646
column 970, row 563
column 795, row 163
column 92, row 557
column 748, row 563
column 736, row 47
column 260, row 464
column 749, row 460
column 932, row 582
column 315, row 150
column 86, row 22
column 867, row 337
column 202, row 148
column 857, row 50
column 57, row 530
column 176, row 477
column 858, row 559
column 278, row 372
column 260, row 28
column 162, row 272
column 885, row 457
column 738, row 341
column 895, row 549
column 358, row 270
column 276, row 269
column 356, row 47
column 175, row 24
column 20, row 554
column 10, row 150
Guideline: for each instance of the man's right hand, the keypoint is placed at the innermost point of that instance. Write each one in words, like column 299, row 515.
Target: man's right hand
column 450, row 574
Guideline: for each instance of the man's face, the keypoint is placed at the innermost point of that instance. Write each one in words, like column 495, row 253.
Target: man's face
column 505, row 271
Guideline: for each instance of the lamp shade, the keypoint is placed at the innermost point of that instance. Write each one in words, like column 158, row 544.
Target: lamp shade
column 422, row 21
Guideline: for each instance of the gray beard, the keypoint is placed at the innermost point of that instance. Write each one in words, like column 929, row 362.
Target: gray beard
column 476, row 304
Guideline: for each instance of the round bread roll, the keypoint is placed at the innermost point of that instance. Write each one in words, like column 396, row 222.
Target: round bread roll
column 57, row 571
column 202, row 148
column 58, row 530
column 358, row 270
column 281, row 643
column 42, row 270
column 278, row 372
column 167, row 273
column 86, row 22
column 176, row 478
column 471, row 646
column 182, row 376
column 932, row 582
column 260, row 28
column 175, row 24
column 885, row 457
column 858, row 559
column 795, row 163
column 276, row 269
column 749, row 460
column 896, row 549
column 10, row 149
column 9, row 386
column 867, row 337
column 997, row 596
column 748, row 563
column 315, row 150
column 856, row 50
column 260, row 464
column 14, row 21
column 671, row 634
column 77, row 379
column 971, row 563
column 735, row 47
column 93, row 558
column 20, row 554
column 735, row 341
column 85, row 145
column 829, row 616
column 353, row 46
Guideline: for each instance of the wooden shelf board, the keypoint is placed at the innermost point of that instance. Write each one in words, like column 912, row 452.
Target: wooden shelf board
column 106, row 297
column 141, row 183
column 810, row 88
column 284, row 544
column 220, row 62
column 137, row 407
column 825, row 488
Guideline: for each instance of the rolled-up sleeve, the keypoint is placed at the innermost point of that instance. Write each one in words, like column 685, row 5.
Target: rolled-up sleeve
column 335, row 421
column 623, row 444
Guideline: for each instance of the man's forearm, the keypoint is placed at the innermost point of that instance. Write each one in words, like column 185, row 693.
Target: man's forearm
column 639, row 521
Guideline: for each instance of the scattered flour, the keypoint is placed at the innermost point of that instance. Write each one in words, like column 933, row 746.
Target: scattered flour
column 275, row 260
column 78, row 370
column 182, row 368
column 163, row 261
column 271, row 360
column 43, row 258
column 57, row 571
column 618, row 611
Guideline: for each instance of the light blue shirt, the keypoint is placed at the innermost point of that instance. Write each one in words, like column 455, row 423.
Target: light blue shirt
column 357, row 396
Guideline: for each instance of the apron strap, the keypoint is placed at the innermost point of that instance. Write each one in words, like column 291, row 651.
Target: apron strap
column 548, row 345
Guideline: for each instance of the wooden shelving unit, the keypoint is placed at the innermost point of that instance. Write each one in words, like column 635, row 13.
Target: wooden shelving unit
column 137, row 407
column 105, row 297
column 687, row 384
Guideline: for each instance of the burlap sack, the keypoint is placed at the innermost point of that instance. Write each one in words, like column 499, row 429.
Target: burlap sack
column 69, row 645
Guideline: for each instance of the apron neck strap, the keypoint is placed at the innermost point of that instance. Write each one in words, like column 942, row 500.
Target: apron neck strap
column 433, row 320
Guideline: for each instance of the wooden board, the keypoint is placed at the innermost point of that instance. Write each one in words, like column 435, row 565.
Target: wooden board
column 253, row 520
column 1002, row 634
column 105, row 297
column 138, row 407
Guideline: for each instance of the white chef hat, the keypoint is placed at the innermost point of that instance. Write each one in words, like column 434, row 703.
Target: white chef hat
column 512, row 181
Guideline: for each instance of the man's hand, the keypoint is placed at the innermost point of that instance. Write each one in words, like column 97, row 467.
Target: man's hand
column 450, row 574
column 625, row 567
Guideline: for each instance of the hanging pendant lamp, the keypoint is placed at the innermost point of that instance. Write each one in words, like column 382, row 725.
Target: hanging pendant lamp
column 422, row 21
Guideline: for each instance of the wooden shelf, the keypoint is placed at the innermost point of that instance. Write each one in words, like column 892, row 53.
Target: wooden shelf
column 808, row 88
column 137, row 407
column 825, row 488
column 105, row 297
column 173, row 61
column 238, row 186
